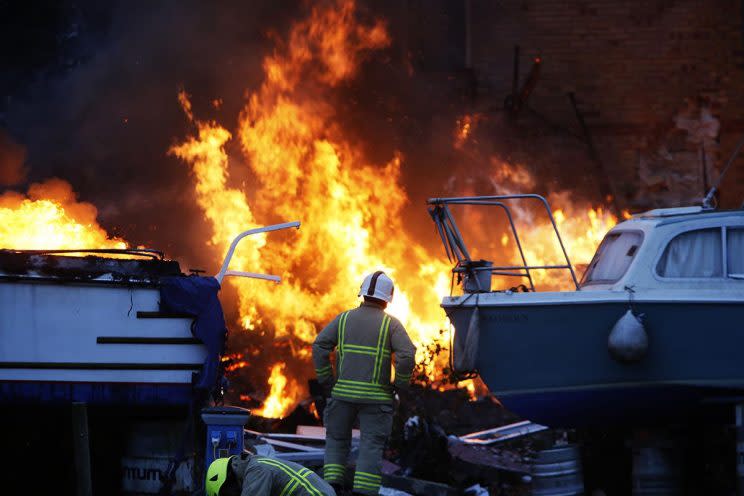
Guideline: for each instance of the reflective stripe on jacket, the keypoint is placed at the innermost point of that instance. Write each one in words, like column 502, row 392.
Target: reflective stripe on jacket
column 261, row 475
column 365, row 339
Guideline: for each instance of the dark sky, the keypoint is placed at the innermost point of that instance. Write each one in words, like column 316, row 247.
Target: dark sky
column 89, row 89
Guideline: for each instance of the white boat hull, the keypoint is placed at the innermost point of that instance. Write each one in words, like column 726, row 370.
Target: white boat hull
column 93, row 333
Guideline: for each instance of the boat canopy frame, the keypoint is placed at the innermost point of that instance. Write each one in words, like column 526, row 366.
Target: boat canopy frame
column 454, row 245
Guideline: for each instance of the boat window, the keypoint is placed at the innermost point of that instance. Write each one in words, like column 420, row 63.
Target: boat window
column 735, row 252
column 693, row 254
column 613, row 257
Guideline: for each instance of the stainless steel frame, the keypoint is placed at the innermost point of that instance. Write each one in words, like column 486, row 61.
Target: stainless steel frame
column 454, row 244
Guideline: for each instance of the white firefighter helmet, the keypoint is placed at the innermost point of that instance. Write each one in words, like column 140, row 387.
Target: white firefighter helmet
column 378, row 285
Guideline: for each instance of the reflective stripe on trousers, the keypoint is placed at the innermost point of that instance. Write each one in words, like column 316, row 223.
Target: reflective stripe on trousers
column 375, row 422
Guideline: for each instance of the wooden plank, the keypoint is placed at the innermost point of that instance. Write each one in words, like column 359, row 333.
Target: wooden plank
column 488, row 458
column 294, row 446
column 496, row 430
column 311, row 430
column 294, row 437
column 317, row 432
column 503, row 433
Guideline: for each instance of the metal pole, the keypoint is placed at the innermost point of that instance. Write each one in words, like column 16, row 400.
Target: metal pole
column 81, row 446
column 445, row 242
column 709, row 197
column 484, row 200
column 605, row 187
column 519, row 245
column 456, row 233
column 516, row 238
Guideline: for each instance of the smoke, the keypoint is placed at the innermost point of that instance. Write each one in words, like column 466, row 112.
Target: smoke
column 105, row 121
column 105, row 112
column 12, row 160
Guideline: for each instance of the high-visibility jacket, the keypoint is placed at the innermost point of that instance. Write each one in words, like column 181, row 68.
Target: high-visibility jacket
column 262, row 475
column 365, row 338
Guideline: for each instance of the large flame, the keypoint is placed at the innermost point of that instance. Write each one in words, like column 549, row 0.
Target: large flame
column 580, row 225
column 278, row 402
column 50, row 217
column 304, row 168
column 581, row 229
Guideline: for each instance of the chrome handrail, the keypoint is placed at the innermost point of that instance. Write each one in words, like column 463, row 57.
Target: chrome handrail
column 223, row 270
column 454, row 244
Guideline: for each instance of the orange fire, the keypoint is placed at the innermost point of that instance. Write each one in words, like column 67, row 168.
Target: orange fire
column 50, row 217
column 283, row 395
column 581, row 226
column 464, row 129
column 304, row 168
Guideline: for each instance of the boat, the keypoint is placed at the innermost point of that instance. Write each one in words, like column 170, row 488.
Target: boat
column 108, row 356
column 89, row 328
column 93, row 328
column 650, row 333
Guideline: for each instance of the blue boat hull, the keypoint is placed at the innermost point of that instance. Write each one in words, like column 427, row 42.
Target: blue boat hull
column 549, row 363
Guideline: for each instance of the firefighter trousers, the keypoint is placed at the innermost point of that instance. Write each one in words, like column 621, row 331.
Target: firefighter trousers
column 375, row 423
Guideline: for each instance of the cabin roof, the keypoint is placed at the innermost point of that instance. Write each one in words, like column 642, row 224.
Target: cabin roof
column 665, row 216
column 15, row 264
column 668, row 212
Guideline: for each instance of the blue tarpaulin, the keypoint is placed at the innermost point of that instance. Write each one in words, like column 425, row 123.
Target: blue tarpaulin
column 197, row 296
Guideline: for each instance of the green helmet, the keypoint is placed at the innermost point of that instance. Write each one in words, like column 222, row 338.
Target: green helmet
column 217, row 475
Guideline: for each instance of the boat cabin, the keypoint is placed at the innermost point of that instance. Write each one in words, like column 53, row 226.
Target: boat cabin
column 671, row 249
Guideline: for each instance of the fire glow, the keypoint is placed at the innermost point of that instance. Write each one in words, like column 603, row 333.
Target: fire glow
column 50, row 217
column 304, row 167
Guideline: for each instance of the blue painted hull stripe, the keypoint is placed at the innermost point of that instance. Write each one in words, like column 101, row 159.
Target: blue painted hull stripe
column 702, row 383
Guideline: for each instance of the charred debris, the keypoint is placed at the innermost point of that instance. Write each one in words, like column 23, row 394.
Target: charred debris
column 443, row 443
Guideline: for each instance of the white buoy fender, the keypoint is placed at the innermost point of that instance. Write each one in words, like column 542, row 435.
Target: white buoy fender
column 628, row 340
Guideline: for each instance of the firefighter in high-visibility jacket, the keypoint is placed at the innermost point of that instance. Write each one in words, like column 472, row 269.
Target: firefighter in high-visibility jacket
column 366, row 340
column 250, row 475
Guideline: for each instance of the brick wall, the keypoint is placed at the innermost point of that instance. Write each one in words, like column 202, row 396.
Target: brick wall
column 631, row 64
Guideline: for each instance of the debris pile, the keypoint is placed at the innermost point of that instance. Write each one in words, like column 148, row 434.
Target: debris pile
column 443, row 443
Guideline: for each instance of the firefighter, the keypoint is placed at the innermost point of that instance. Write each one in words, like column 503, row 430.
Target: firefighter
column 365, row 339
column 252, row 475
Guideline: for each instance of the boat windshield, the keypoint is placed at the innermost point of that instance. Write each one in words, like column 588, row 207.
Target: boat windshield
column 613, row 257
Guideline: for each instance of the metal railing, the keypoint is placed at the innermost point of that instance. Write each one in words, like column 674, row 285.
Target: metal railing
column 226, row 264
column 454, row 243
column 133, row 252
